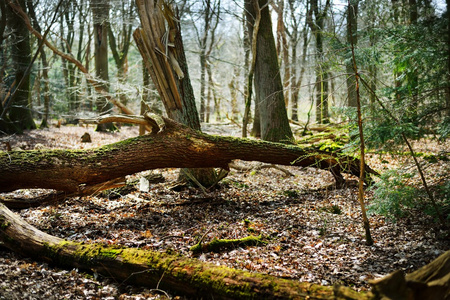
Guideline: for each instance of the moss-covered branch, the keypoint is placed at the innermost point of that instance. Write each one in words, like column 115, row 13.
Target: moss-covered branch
column 218, row 245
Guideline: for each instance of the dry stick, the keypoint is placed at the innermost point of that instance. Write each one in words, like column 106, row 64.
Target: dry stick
column 369, row 240
column 252, row 69
column 411, row 150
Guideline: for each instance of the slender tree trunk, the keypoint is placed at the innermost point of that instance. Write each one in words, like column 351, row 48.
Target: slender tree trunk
column 413, row 77
column 100, row 11
column 234, row 87
column 45, row 68
column 316, row 19
column 447, row 89
column 203, row 83
column 248, row 70
column 352, row 28
column 362, row 174
column 298, row 82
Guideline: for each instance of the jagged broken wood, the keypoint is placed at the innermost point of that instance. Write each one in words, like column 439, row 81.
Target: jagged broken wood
column 170, row 145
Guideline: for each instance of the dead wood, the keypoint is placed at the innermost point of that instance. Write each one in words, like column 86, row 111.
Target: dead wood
column 218, row 245
column 172, row 145
column 167, row 271
column 259, row 167
column 429, row 282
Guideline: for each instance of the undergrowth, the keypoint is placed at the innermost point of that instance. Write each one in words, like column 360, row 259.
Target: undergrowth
column 394, row 198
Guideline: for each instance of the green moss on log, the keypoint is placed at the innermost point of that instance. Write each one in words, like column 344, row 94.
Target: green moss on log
column 4, row 223
column 217, row 245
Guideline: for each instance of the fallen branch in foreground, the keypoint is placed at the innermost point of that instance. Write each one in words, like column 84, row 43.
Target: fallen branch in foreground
column 191, row 277
column 218, row 245
column 167, row 271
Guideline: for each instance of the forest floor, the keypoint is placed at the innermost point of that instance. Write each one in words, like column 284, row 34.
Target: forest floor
column 314, row 231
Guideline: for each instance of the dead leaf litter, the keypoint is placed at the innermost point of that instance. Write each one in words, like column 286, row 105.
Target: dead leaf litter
column 314, row 233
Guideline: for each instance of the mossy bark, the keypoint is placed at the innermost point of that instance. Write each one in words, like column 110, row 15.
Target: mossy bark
column 167, row 271
column 177, row 146
column 217, row 245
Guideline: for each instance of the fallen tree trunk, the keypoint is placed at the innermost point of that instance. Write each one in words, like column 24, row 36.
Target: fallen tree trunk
column 172, row 146
column 166, row 271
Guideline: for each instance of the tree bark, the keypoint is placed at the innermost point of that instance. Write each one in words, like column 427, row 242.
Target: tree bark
column 18, row 103
column 316, row 20
column 267, row 81
column 352, row 38
column 173, row 146
column 100, row 11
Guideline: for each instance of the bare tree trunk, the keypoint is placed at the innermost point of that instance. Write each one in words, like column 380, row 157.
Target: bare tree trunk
column 352, row 28
column 120, row 50
column 362, row 175
column 45, row 68
column 274, row 123
column 19, row 103
column 316, row 20
column 100, row 11
column 447, row 89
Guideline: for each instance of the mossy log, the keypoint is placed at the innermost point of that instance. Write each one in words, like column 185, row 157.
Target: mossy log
column 218, row 245
column 167, row 271
column 171, row 146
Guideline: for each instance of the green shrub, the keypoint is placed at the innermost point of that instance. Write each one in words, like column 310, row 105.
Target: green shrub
column 392, row 195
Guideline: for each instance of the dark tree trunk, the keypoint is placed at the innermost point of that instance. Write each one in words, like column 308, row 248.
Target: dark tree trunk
column 447, row 89
column 352, row 38
column 45, row 68
column 273, row 118
column 19, row 105
column 100, row 11
column 316, row 20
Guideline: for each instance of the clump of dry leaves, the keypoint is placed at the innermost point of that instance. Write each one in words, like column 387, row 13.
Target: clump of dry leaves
column 314, row 233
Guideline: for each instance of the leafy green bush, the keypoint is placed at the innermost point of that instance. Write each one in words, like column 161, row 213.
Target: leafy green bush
column 392, row 195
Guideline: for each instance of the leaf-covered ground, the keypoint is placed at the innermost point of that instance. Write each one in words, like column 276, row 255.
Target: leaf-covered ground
column 314, row 232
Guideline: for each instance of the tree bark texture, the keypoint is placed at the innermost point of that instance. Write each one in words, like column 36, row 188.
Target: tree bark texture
column 267, row 81
column 100, row 11
column 352, row 38
column 18, row 104
column 174, row 146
